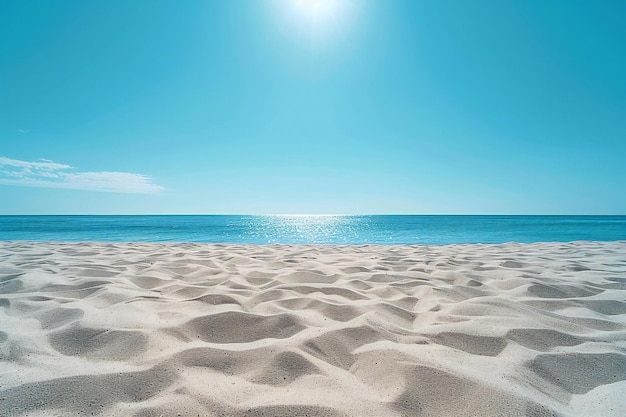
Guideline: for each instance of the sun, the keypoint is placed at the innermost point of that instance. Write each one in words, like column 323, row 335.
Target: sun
column 317, row 9
column 316, row 22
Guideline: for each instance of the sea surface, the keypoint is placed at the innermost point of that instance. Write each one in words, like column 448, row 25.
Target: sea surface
column 357, row 230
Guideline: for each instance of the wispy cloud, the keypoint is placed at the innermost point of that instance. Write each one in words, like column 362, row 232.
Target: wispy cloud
column 49, row 174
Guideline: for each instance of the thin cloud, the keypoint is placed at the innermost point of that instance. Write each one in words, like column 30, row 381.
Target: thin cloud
column 49, row 174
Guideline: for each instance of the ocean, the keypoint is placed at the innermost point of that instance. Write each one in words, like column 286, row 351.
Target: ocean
column 351, row 230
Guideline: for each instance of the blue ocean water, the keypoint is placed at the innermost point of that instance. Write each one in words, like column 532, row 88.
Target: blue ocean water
column 376, row 229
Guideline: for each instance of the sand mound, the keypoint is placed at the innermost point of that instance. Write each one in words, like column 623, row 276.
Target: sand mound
column 169, row 329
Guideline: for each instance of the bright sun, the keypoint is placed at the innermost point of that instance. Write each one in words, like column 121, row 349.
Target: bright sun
column 316, row 21
column 317, row 9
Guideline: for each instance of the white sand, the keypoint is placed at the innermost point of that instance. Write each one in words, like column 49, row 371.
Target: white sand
column 162, row 329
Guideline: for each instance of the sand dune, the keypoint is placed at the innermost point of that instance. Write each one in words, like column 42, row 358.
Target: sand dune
column 190, row 329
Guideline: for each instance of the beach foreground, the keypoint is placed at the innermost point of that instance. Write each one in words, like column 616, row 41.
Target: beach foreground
column 192, row 329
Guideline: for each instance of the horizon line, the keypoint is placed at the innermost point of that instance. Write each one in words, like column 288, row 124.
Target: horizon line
column 312, row 214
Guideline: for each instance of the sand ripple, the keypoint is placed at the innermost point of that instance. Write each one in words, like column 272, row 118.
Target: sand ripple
column 190, row 329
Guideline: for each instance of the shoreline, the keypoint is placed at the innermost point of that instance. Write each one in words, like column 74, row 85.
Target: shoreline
column 150, row 328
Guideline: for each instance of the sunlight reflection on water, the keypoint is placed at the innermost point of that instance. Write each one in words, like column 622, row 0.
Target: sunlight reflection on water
column 305, row 229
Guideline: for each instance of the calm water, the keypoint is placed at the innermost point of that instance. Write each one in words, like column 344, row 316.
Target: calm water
column 315, row 229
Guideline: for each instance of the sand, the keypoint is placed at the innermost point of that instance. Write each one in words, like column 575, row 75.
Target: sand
column 189, row 329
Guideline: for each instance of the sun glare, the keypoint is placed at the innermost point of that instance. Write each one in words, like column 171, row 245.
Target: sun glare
column 316, row 8
column 320, row 18
column 316, row 21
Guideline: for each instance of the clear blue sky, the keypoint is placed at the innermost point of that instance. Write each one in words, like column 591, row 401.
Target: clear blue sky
column 313, row 106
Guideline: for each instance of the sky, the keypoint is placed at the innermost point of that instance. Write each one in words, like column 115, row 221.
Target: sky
column 312, row 107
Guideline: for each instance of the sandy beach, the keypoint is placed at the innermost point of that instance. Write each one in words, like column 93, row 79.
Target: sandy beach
column 123, row 329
